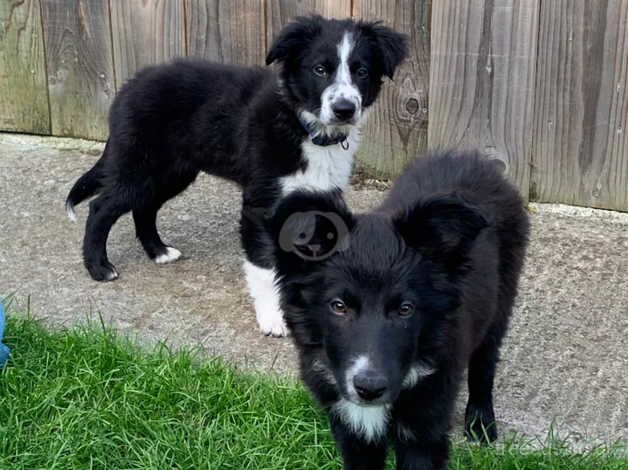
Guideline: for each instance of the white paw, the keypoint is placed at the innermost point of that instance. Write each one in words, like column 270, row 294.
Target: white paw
column 171, row 254
column 271, row 322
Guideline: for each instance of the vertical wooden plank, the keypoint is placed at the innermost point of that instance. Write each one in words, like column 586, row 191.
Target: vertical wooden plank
column 280, row 12
column 23, row 92
column 397, row 128
column 226, row 31
column 581, row 145
column 79, row 66
column 145, row 32
column 482, row 79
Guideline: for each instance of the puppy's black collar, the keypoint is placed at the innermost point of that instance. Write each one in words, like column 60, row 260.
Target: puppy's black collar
column 321, row 138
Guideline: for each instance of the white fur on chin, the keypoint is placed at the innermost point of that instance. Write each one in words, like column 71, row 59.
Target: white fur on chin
column 370, row 422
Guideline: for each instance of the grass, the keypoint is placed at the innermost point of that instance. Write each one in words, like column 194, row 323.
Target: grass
column 86, row 398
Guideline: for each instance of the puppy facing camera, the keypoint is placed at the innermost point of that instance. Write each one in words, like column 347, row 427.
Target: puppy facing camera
column 386, row 327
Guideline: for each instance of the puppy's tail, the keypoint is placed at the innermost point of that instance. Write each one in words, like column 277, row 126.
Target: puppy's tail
column 85, row 187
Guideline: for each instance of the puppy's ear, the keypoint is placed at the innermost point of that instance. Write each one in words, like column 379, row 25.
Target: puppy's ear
column 308, row 228
column 391, row 46
column 294, row 37
column 442, row 228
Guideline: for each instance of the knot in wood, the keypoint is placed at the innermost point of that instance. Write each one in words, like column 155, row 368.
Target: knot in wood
column 412, row 105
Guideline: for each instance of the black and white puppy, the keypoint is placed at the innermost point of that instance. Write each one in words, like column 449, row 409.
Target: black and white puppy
column 271, row 133
column 387, row 309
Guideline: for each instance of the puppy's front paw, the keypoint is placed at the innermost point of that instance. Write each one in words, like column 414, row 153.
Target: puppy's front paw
column 261, row 284
column 271, row 322
column 479, row 423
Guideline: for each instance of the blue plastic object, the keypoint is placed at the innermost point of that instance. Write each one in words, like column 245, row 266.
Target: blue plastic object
column 4, row 349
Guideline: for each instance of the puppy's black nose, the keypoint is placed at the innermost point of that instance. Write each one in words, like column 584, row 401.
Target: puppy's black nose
column 370, row 385
column 343, row 109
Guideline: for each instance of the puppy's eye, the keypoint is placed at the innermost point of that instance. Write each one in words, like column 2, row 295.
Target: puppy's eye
column 320, row 70
column 406, row 309
column 362, row 72
column 338, row 307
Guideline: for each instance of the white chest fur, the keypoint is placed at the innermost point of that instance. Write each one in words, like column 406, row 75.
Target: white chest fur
column 328, row 168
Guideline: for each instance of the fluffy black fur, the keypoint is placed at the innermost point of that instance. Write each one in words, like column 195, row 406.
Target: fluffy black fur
column 170, row 122
column 429, row 280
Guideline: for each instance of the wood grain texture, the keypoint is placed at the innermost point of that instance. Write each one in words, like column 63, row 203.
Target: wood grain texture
column 23, row 90
column 145, row 32
column 396, row 131
column 482, row 79
column 226, row 31
column 79, row 66
column 581, row 136
column 280, row 12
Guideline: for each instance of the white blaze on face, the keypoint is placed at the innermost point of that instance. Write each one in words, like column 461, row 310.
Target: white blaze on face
column 342, row 87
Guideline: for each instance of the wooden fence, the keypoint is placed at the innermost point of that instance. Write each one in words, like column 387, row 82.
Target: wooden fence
column 538, row 83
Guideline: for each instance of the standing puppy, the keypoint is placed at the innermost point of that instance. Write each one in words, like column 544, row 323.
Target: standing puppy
column 387, row 309
column 270, row 133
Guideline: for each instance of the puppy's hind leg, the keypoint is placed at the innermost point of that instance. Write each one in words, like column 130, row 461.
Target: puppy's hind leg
column 146, row 229
column 145, row 215
column 104, row 211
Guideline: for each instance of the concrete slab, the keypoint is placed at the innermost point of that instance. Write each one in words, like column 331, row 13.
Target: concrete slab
column 565, row 360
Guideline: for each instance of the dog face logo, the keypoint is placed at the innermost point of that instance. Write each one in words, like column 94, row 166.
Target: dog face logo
column 314, row 235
